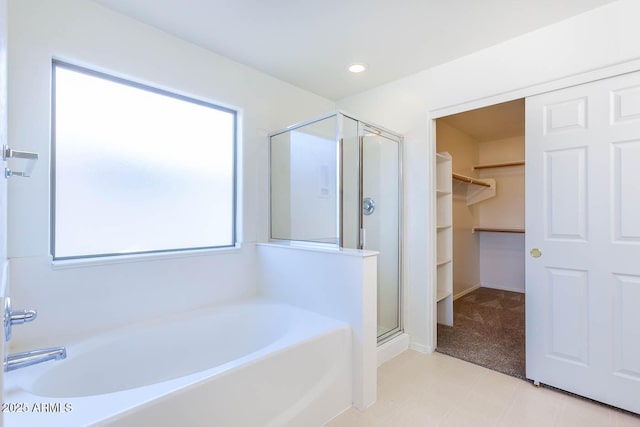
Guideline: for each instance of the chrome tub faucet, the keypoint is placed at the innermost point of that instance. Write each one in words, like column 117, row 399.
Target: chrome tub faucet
column 26, row 358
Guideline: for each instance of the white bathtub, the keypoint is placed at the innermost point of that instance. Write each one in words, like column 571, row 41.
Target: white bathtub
column 250, row 364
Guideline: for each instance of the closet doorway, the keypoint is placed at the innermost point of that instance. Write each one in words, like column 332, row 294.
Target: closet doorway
column 480, row 183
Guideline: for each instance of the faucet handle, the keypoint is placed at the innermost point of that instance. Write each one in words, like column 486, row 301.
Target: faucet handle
column 17, row 317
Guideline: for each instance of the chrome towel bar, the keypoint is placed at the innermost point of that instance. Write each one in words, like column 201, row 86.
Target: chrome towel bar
column 32, row 158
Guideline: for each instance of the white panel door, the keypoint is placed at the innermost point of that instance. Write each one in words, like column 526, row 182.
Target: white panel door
column 583, row 231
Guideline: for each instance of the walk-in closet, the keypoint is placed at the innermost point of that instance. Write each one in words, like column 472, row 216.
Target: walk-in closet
column 480, row 184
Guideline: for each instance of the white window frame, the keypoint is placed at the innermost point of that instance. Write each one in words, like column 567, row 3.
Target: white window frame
column 146, row 253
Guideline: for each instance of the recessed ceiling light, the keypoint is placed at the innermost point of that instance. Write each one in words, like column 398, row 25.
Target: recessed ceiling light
column 357, row 67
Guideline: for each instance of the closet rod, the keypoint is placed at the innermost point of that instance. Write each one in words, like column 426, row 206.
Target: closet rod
column 499, row 165
column 498, row 230
column 470, row 180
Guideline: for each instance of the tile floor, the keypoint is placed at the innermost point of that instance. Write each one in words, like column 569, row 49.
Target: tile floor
column 423, row 390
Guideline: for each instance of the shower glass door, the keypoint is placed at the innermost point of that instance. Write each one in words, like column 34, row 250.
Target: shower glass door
column 336, row 181
column 380, row 219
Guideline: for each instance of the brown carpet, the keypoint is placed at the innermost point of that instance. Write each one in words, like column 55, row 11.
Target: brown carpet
column 488, row 330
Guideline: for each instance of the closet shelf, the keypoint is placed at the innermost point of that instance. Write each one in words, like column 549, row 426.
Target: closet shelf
column 473, row 190
column 469, row 180
column 440, row 295
column 444, row 237
column 443, row 262
column 498, row 230
column 499, row 165
column 443, row 157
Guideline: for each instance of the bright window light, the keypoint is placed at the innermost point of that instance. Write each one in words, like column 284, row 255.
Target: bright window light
column 137, row 169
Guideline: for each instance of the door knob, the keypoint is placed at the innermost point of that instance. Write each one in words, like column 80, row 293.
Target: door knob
column 536, row 253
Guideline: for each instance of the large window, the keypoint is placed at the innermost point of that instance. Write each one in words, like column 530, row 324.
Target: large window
column 137, row 169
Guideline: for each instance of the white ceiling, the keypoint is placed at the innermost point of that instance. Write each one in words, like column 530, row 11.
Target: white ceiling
column 491, row 123
column 309, row 44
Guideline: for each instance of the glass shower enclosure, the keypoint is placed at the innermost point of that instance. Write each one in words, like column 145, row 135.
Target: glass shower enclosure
column 337, row 181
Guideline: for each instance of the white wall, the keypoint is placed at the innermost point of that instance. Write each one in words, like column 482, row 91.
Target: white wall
column 76, row 301
column 502, row 261
column 336, row 283
column 280, row 181
column 3, row 141
column 313, row 208
column 506, row 209
column 602, row 37
column 3, row 186
column 502, row 255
